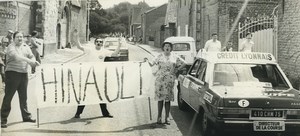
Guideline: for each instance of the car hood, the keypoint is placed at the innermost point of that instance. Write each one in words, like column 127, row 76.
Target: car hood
column 258, row 97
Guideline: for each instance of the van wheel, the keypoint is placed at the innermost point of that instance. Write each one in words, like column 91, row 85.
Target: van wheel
column 205, row 127
column 181, row 103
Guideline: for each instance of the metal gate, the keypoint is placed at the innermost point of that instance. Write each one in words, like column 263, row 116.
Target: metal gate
column 264, row 33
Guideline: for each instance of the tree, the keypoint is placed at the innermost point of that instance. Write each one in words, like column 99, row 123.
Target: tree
column 94, row 5
column 115, row 19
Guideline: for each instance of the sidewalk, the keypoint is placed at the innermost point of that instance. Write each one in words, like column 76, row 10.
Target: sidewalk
column 64, row 55
column 154, row 51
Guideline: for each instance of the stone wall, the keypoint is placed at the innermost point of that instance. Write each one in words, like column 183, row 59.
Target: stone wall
column 183, row 9
column 289, row 39
column 153, row 19
column 50, row 14
column 7, row 23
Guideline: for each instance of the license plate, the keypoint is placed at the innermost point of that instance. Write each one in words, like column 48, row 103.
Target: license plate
column 269, row 126
column 267, row 114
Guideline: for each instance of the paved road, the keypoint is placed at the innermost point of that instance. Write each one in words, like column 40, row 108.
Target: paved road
column 131, row 117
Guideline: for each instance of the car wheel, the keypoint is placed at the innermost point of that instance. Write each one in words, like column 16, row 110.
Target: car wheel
column 205, row 126
column 181, row 103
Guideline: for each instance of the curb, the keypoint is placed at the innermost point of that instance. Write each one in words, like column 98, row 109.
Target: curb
column 146, row 51
column 82, row 54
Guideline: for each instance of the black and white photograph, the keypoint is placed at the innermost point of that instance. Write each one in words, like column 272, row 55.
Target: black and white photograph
column 150, row 67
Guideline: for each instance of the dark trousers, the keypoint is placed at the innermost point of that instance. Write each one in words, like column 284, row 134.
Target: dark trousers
column 103, row 108
column 15, row 81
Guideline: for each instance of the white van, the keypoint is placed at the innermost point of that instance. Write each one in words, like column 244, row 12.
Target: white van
column 184, row 47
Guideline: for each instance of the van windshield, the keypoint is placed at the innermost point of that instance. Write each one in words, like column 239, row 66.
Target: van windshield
column 267, row 75
column 181, row 47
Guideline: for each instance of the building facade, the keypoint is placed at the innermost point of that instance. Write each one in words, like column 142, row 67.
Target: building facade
column 151, row 23
column 55, row 20
column 17, row 15
column 201, row 18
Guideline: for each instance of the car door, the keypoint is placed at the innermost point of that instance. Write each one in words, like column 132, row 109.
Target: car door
column 197, row 86
column 185, row 89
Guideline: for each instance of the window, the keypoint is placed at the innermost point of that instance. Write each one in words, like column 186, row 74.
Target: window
column 202, row 70
column 194, row 68
column 243, row 74
column 181, row 47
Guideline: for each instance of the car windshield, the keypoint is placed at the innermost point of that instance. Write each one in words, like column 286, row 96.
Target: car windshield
column 111, row 43
column 266, row 75
column 181, row 47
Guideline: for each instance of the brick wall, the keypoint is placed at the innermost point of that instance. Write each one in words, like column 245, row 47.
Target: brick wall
column 289, row 39
column 218, row 16
column 210, row 20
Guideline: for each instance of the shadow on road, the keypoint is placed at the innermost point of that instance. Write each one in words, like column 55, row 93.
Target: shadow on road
column 14, row 123
column 186, row 121
column 128, row 129
column 73, row 120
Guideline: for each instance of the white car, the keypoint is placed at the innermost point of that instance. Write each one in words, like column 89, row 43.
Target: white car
column 184, row 47
column 111, row 43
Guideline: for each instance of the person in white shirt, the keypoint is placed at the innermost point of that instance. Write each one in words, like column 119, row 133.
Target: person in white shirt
column 101, row 54
column 248, row 44
column 213, row 45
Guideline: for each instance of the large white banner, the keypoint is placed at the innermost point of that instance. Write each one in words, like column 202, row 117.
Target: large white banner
column 91, row 83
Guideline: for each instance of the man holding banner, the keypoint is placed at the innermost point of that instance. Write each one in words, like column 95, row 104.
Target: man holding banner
column 18, row 57
column 102, row 53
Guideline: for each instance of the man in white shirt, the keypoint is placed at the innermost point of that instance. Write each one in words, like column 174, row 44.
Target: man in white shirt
column 248, row 44
column 101, row 54
column 213, row 45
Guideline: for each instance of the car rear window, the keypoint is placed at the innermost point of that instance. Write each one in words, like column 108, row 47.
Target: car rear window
column 242, row 74
column 181, row 47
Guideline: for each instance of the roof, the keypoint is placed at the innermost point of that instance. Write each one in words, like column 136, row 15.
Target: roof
column 155, row 8
column 178, row 39
column 76, row 3
column 237, row 57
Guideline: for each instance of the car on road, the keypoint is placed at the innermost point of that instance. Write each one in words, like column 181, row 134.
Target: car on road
column 185, row 48
column 239, row 91
column 111, row 43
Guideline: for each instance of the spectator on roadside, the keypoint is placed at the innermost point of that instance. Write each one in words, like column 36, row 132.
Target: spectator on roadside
column 34, row 48
column 168, row 65
column 102, row 53
column 248, row 44
column 228, row 48
column 28, row 41
column 213, row 45
column 140, row 39
column 3, row 47
column 9, row 36
column 18, row 57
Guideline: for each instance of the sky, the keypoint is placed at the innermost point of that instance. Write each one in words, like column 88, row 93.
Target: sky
column 110, row 3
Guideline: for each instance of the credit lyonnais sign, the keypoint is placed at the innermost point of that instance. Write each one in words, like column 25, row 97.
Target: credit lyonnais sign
column 255, row 56
column 91, row 83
